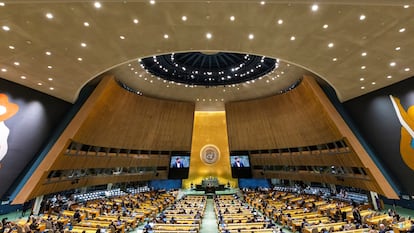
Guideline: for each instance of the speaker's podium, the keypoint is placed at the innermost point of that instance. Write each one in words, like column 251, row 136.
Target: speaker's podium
column 210, row 185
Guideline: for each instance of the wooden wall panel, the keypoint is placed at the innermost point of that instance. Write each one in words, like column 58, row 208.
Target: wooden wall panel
column 344, row 160
column 122, row 119
column 292, row 119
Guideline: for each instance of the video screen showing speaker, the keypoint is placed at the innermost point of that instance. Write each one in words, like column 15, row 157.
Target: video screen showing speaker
column 240, row 165
column 179, row 165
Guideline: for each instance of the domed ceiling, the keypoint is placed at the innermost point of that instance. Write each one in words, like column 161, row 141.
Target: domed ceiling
column 56, row 47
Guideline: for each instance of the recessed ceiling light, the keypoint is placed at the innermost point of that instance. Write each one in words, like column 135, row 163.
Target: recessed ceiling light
column 50, row 79
column 363, row 67
column 362, row 17
column 16, row 63
column 361, row 79
column 122, row 37
column 209, row 35
column 315, row 7
column 6, row 28
column 373, row 83
column 364, row 54
column 3, row 70
column 251, row 36
column 325, row 26
column 330, row 45
column 232, row 18
column 135, row 21
column 83, row 44
column 184, row 18
column 49, row 15
column 80, row 59
column 49, row 67
column 407, row 69
column 280, row 21
column 262, row 2
column 48, row 53
column 397, row 48
column 406, row 6
column 389, row 76
column 11, row 47
column 39, row 83
column 23, row 77
column 51, row 88
column 2, row 4
column 152, row 2
column 362, row 87
column 334, row 59
column 86, row 24
column 402, row 30
column 292, row 38
column 166, row 36
column 393, row 63
column 97, row 5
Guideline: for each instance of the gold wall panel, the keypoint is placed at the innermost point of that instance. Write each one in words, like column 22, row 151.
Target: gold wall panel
column 210, row 128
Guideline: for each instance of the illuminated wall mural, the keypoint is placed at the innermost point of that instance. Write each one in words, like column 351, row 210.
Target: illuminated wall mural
column 406, row 119
column 7, row 110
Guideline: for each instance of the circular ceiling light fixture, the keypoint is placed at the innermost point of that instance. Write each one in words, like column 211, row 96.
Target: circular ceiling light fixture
column 209, row 69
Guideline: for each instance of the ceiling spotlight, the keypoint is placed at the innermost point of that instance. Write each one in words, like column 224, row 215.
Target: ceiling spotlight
column 80, row 59
column 50, row 79
column 135, row 21
column 83, row 44
column 406, row 6
column 292, row 38
column 363, row 67
column 39, row 83
column 6, row 28
column 232, row 18
column 209, row 35
column 330, row 45
column 402, row 30
column 11, row 47
column 362, row 87
column 2, row 4
column 152, row 2
column 397, row 48
column 393, row 63
column 51, row 88
column 97, row 5
column 334, row 59
column 315, row 7
column 407, row 69
column 389, row 76
column 49, row 15
column 16, row 63
column 184, row 18
column 48, row 53
column 361, row 79
column 49, row 67
column 3, row 70
column 364, row 54
column 23, row 77
column 280, row 21
column 262, row 2
column 122, row 37
column 362, row 17
column 251, row 36
column 373, row 83
column 86, row 24
column 325, row 26
column 166, row 36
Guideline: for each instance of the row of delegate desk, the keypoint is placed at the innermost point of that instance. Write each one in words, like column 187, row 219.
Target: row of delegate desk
column 118, row 213
column 290, row 210
column 234, row 215
column 183, row 216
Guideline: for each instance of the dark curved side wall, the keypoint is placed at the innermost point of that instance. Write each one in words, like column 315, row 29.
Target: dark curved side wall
column 378, row 124
column 30, row 130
